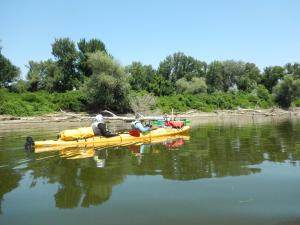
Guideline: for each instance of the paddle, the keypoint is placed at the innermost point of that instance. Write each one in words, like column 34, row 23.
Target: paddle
column 134, row 133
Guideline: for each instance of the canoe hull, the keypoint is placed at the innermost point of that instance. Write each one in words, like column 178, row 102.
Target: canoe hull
column 99, row 141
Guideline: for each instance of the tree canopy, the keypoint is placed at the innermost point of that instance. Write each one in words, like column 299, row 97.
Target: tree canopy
column 108, row 86
column 87, row 70
column 8, row 72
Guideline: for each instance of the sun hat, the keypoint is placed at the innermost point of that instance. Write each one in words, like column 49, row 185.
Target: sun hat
column 99, row 118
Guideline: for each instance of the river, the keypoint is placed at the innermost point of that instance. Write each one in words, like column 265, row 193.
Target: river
column 221, row 173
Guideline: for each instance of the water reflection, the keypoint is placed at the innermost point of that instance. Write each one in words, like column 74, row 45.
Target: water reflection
column 86, row 176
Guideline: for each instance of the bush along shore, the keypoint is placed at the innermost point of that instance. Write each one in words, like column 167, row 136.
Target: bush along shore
column 85, row 77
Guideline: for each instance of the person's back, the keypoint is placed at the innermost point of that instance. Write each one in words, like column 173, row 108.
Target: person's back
column 99, row 127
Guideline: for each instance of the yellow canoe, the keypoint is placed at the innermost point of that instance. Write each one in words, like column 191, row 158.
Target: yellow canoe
column 99, row 141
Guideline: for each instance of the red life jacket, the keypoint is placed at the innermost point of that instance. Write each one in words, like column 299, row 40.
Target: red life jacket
column 175, row 124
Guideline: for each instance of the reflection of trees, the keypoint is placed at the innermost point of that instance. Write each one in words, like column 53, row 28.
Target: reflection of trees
column 218, row 151
column 9, row 181
column 9, row 177
column 81, row 183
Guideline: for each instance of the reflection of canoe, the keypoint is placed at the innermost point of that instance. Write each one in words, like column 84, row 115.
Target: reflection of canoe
column 86, row 152
column 122, row 139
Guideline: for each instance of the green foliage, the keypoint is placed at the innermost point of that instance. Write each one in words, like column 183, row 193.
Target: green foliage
column 250, row 78
column 296, row 102
column 293, row 70
column 286, row 91
column 39, row 103
column 67, row 57
column 86, row 47
column 72, row 100
column 89, row 78
column 161, row 87
column 8, row 72
column 271, row 76
column 107, row 88
column 44, row 75
column 179, row 65
column 20, row 86
column 263, row 93
column 141, row 76
column 195, row 86
column 214, row 77
column 102, row 63
column 207, row 103
column 26, row 105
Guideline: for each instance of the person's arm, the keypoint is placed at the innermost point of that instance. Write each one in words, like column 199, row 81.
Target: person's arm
column 104, row 131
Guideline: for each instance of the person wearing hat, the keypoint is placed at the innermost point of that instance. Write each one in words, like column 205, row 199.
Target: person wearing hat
column 99, row 127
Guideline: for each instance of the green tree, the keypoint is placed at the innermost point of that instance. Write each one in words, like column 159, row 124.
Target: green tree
column 293, row 69
column 141, row 76
column 214, row 76
column 65, row 53
column 232, row 72
column 8, row 72
column 263, row 93
column 108, row 87
column 161, row 86
column 250, row 78
column 44, row 75
column 286, row 91
column 271, row 76
column 179, row 65
column 20, row 86
column 196, row 86
column 86, row 47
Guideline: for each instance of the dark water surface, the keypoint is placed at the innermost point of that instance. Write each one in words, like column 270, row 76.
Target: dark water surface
column 224, row 174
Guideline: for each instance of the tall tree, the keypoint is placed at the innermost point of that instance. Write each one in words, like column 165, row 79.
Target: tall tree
column 287, row 90
column 271, row 76
column 232, row 72
column 44, row 75
column 66, row 55
column 214, row 76
column 86, row 47
column 8, row 72
column 250, row 77
column 196, row 86
column 108, row 86
column 179, row 65
column 141, row 76
column 293, row 69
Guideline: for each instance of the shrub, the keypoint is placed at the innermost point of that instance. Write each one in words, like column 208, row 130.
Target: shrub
column 71, row 100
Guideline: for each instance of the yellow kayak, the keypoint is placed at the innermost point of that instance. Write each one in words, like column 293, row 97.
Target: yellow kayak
column 85, row 152
column 100, row 141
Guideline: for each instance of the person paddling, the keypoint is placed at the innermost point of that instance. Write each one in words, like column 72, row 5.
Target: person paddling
column 99, row 127
column 137, row 124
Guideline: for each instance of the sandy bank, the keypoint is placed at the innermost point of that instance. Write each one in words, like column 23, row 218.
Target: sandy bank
column 240, row 114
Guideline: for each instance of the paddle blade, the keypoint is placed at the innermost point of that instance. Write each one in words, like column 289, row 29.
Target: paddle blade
column 134, row 133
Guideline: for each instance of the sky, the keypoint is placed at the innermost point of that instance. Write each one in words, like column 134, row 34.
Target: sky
column 264, row 32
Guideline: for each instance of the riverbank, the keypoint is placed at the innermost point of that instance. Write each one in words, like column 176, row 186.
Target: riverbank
column 239, row 114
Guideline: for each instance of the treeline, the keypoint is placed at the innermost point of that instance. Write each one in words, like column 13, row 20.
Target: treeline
column 84, row 76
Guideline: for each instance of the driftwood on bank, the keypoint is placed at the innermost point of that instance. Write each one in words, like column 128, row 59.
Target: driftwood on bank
column 127, row 118
column 192, row 114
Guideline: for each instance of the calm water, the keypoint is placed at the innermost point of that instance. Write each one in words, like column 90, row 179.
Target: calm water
column 224, row 174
